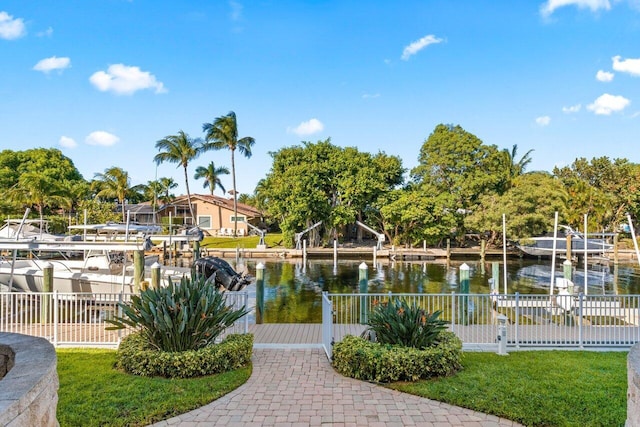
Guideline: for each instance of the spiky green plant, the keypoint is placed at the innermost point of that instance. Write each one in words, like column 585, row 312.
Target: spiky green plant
column 181, row 316
column 398, row 323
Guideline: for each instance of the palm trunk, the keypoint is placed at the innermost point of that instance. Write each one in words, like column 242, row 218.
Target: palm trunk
column 186, row 182
column 235, row 195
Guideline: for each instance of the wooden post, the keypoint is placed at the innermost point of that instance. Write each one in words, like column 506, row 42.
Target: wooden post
column 448, row 249
column 363, row 282
column 155, row 275
column 569, row 245
column 483, row 248
column 47, row 286
column 138, row 270
column 196, row 250
column 259, row 293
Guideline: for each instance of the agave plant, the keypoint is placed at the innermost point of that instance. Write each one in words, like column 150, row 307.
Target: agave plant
column 181, row 316
column 398, row 323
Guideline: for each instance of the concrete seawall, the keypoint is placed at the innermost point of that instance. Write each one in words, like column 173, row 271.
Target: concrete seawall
column 29, row 390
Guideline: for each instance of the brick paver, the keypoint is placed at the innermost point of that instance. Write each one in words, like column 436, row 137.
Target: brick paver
column 298, row 387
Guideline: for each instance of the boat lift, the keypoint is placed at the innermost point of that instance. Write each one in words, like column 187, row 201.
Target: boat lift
column 381, row 237
column 260, row 232
column 298, row 236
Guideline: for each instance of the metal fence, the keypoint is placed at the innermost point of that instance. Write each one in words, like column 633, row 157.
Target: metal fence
column 79, row 319
column 532, row 321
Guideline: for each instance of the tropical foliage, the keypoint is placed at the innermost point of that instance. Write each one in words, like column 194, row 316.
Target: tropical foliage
column 211, row 175
column 115, row 183
column 222, row 134
column 396, row 322
column 180, row 316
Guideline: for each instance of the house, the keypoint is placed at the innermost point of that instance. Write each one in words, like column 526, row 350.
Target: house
column 213, row 214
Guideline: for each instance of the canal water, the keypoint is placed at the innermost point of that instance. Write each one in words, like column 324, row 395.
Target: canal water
column 293, row 289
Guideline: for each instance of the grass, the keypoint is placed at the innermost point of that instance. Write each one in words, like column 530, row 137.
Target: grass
column 92, row 393
column 537, row 388
column 273, row 240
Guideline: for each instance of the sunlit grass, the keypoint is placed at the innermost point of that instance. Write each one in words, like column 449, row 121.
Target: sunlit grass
column 273, row 240
column 92, row 393
column 537, row 388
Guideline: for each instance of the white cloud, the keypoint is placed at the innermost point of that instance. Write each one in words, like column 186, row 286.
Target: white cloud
column 631, row 66
column 236, row 10
column 572, row 109
column 607, row 104
column 102, row 138
column 11, row 28
column 125, row 80
column 418, row 45
column 543, row 120
column 550, row 6
column 67, row 142
column 53, row 63
column 370, row 95
column 604, row 76
column 307, row 128
column 46, row 33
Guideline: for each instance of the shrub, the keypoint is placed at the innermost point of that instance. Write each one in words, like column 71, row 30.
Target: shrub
column 185, row 316
column 358, row 358
column 398, row 323
column 136, row 356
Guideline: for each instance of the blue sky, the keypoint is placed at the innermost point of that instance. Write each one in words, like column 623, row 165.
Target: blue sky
column 104, row 80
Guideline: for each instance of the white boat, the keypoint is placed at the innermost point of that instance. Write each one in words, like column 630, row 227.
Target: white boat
column 104, row 269
column 29, row 229
column 543, row 245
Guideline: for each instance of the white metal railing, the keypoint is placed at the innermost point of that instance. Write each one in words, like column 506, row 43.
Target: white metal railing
column 533, row 321
column 79, row 319
column 327, row 335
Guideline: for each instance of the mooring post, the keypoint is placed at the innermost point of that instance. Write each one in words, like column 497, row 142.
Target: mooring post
column 615, row 249
column 196, row 250
column 567, row 272
column 569, row 245
column 363, row 276
column 259, row 293
column 495, row 275
column 155, row 275
column 464, row 290
column 47, row 287
column 448, row 249
column 483, row 248
column 304, row 251
column 138, row 269
column 335, row 253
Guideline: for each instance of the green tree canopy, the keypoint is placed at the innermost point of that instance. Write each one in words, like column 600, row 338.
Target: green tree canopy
column 115, row 183
column 211, row 175
column 323, row 182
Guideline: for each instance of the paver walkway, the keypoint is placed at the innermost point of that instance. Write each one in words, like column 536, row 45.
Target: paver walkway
column 298, row 387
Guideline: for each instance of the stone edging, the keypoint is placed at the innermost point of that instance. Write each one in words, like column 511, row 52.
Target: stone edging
column 29, row 391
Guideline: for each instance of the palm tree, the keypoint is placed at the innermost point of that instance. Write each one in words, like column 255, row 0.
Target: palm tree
column 115, row 183
column 515, row 168
column 180, row 149
column 223, row 134
column 166, row 185
column 211, row 175
column 35, row 189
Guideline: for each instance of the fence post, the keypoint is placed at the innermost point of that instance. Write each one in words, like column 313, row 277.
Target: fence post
column 55, row 318
column 453, row 310
column 580, row 306
column 259, row 292
column 363, row 280
column 517, row 338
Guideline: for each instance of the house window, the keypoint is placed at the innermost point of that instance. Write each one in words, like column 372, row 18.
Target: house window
column 240, row 218
column 204, row 221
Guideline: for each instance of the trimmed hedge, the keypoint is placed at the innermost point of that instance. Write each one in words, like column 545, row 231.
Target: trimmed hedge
column 358, row 358
column 136, row 356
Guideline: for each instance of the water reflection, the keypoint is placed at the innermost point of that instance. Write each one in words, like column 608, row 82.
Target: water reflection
column 292, row 289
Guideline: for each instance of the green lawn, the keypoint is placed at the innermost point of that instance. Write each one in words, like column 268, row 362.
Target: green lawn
column 537, row 388
column 273, row 240
column 92, row 393
column 534, row 388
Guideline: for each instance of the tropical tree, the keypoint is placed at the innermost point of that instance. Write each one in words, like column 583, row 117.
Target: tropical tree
column 180, row 149
column 34, row 189
column 211, row 175
column 223, row 134
column 514, row 168
column 166, row 185
column 115, row 183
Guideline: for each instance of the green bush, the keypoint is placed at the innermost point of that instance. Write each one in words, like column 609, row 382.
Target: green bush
column 136, row 356
column 186, row 316
column 358, row 358
column 398, row 323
